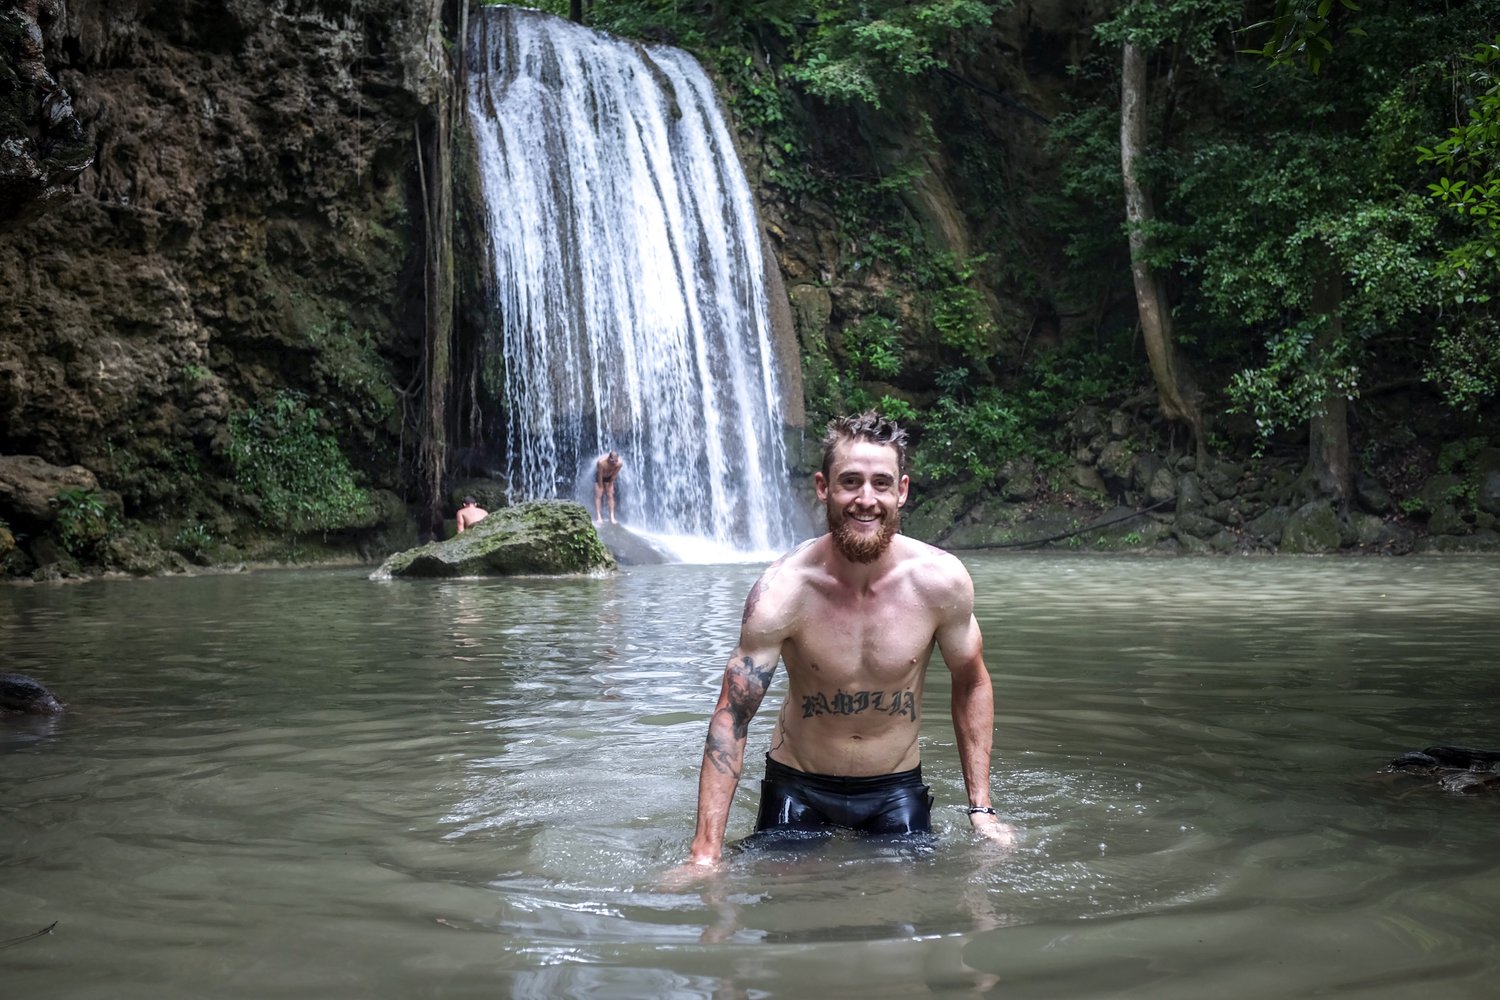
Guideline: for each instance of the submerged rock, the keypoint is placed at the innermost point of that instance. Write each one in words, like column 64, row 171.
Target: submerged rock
column 544, row 537
column 1457, row 769
column 20, row 693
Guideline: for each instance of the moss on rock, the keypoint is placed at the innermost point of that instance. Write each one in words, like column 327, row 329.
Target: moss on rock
column 548, row 537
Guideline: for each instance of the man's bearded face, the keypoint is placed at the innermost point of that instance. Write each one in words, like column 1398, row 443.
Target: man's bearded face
column 862, row 497
column 857, row 544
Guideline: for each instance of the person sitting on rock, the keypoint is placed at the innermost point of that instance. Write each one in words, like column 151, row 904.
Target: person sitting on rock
column 470, row 514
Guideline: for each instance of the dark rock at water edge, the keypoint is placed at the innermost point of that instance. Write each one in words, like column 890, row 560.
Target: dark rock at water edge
column 544, row 537
column 20, row 693
column 1464, row 770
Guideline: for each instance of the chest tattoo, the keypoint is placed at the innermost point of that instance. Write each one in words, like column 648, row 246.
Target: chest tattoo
column 843, row 702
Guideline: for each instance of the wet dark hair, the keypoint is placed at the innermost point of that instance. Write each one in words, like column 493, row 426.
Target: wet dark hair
column 469, row 500
column 867, row 426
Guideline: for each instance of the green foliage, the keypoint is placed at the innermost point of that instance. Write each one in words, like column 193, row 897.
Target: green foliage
column 1296, row 379
column 837, row 50
column 351, row 361
column 84, row 521
column 1470, row 185
column 586, row 548
column 873, row 347
column 761, row 105
column 862, row 52
column 193, row 375
column 1465, row 366
column 297, row 473
column 1457, row 458
column 898, row 410
column 193, row 539
column 973, row 433
column 959, row 314
column 1191, row 27
column 969, row 437
column 648, row 20
column 1300, row 32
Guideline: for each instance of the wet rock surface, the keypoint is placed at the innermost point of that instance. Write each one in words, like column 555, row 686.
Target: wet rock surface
column 1462, row 770
column 548, row 537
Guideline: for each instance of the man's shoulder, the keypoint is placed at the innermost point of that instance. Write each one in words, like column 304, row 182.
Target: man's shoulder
column 782, row 584
column 935, row 570
column 776, row 598
column 929, row 556
column 789, row 573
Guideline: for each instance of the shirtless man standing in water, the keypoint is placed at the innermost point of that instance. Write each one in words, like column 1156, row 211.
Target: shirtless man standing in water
column 854, row 615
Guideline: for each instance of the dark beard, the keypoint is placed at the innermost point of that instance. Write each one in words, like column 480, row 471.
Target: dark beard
column 857, row 548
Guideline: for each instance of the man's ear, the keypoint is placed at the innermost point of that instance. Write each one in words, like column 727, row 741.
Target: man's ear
column 820, row 485
column 902, row 490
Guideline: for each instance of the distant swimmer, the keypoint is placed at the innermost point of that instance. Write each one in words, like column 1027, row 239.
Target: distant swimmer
column 606, row 471
column 470, row 514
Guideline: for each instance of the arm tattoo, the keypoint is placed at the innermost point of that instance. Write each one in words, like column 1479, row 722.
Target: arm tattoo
column 720, row 753
column 750, row 602
column 747, row 684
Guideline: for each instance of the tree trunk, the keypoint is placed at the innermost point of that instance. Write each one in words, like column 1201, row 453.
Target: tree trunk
column 1329, row 468
column 1178, row 394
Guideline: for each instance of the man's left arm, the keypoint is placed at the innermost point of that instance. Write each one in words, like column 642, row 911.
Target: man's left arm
column 962, row 647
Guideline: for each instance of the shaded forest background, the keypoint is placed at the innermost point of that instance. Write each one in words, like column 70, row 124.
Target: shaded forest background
column 1233, row 262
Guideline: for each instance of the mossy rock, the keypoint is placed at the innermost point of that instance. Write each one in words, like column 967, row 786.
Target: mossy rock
column 544, row 537
column 1313, row 529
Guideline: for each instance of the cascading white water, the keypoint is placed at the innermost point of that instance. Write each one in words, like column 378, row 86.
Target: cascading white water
column 630, row 281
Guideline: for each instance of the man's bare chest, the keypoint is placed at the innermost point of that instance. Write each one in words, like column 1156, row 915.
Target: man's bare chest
column 860, row 643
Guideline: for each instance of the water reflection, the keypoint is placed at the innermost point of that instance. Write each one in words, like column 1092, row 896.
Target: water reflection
column 299, row 782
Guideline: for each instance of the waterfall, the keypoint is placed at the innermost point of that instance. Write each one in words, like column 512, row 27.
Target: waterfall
column 630, row 282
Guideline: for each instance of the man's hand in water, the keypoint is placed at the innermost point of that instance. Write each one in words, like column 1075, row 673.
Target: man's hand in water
column 693, row 874
column 991, row 827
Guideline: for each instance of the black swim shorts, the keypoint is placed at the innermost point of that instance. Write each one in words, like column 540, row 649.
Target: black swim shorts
column 881, row 805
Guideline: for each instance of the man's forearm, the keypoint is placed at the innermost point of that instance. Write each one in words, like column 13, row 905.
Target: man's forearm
column 974, row 728
column 745, row 685
column 723, row 761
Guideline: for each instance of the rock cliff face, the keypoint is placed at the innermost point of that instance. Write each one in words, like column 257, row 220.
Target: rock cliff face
column 207, row 208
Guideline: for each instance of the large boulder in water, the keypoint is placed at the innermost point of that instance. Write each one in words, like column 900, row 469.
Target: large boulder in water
column 628, row 548
column 544, row 537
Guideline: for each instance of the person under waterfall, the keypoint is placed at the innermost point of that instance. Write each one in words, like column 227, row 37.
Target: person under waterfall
column 606, row 471
column 854, row 615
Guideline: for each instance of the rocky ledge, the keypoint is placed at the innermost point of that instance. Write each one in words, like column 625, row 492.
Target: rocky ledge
column 544, row 537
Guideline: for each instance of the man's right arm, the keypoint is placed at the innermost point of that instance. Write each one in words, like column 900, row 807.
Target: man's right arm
column 746, row 679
